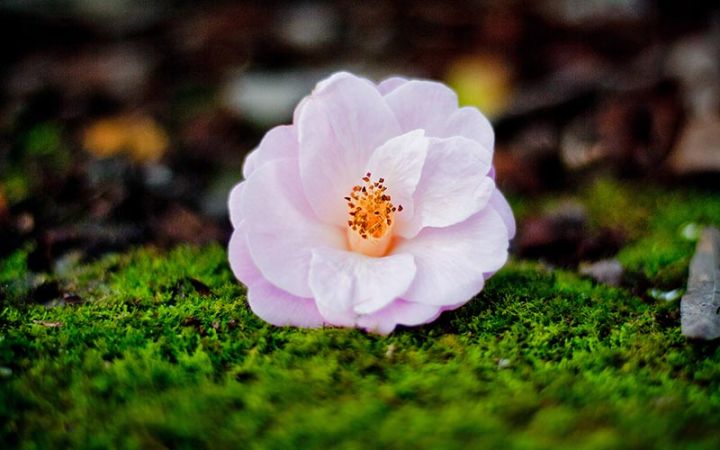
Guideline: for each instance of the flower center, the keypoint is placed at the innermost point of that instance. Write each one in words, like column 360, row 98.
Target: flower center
column 371, row 216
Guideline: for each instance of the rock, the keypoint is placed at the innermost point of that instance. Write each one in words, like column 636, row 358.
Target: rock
column 563, row 236
column 694, row 62
column 608, row 271
column 554, row 236
column 700, row 306
column 698, row 149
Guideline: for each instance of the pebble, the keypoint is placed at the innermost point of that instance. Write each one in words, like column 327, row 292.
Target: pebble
column 608, row 271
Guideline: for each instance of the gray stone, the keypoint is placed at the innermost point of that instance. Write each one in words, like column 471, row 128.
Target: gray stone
column 608, row 271
column 698, row 148
column 700, row 306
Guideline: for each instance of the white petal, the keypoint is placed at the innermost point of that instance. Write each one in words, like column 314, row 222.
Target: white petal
column 454, row 185
column 399, row 312
column 281, row 227
column 240, row 260
column 388, row 85
column 470, row 123
column 282, row 309
column 278, row 143
column 347, row 284
column 451, row 261
column 400, row 162
column 497, row 201
column 234, row 202
column 422, row 104
column 339, row 127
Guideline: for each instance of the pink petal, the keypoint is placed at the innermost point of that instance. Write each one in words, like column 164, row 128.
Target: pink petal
column 346, row 284
column 339, row 127
column 299, row 108
column 400, row 162
column 278, row 143
column 234, row 201
column 470, row 123
column 454, row 185
column 241, row 263
column 388, row 85
column 422, row 104
column 399, row 312
column 282, row 309
column 281, row 227
column 451, row 261
column 498, row 201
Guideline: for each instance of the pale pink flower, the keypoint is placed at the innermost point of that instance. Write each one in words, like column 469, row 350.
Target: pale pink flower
column 377, row 207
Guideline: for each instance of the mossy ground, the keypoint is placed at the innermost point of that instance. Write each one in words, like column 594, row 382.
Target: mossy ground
column 164, row 353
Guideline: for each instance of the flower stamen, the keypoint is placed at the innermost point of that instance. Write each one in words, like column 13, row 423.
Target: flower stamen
column 370, row 208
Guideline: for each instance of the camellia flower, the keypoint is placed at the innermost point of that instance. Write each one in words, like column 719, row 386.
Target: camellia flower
column 377, row 207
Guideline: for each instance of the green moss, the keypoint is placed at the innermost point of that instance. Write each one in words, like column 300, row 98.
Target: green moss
column 662, row 227
column 163, row 352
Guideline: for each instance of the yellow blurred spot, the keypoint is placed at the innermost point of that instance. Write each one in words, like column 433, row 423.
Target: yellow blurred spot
column 105, row 138
column 481, row 81
column 138, row 136
column 148, row 141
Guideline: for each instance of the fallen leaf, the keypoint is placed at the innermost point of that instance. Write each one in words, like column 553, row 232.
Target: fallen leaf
column 48, row 324
column 700, row 306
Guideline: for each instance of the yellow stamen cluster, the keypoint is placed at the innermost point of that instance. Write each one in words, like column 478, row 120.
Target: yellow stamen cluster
column 371, row 211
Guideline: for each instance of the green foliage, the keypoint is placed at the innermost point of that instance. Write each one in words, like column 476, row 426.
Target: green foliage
column 38, row 151
column 662, row 252
column 44, row 140
column 163, row 352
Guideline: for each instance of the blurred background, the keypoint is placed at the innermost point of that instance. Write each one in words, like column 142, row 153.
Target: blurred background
column 126, row 122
